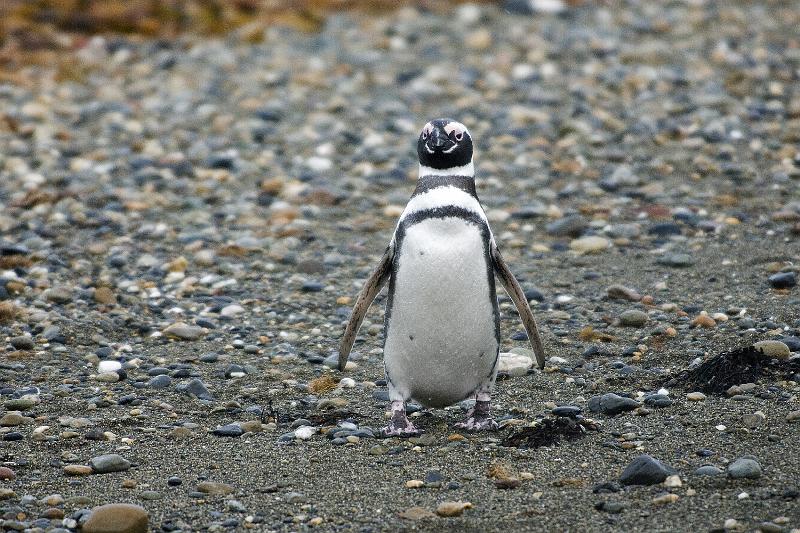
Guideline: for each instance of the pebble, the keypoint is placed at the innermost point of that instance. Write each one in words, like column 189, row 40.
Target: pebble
column 215, row 488
column 645, row 470
column 416, row 513
column 773, row 349
column 633, row 318
column 676, row 260
column 304, row 432
column 22, row 343
column 229, row 430
column 590, row 245
column 15, row 418
column 198, row 389
column 754, row 420
column 105, row 296
column 569, row 226
column 793, row 416
column 112, row 462
column 183, row 331
column 665, row 499
column 708, row 470
column 514, row 364
column 611, row 404
column 783, row 280
column 117, row 518
column 570, row 411
column 695, row 396
column 78, row 470
column 744, row 468
column 451, row 508
column 108, row 366
column 7, row 474
column 159, row 382
column 621, row 292
column 704, row 321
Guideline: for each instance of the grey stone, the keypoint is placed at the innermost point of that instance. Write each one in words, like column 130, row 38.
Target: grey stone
column 160, row 381
column 633, row 318
column 612, row 404
column 645, row 470
column 744, row 468
column 708, row 470
column 112, row 462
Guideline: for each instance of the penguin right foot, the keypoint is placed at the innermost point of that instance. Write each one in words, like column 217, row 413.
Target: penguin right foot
column 400, row 425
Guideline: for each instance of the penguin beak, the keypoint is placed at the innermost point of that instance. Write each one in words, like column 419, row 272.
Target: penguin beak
column 438, row 141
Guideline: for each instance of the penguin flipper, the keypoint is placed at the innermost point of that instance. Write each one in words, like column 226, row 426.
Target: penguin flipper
column 368, row 293
column 512, row 287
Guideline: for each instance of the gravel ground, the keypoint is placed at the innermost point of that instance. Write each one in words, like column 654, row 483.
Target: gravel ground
column 204, row 212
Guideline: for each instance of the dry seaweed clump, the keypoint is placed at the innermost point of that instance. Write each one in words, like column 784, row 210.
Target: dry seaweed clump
column 8, row 312
column 550, row 431
column 721, row 372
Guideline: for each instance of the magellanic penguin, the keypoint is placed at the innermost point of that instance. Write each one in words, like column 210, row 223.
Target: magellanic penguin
column 442, row 327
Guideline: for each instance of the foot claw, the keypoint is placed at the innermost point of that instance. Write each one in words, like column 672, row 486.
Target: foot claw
column 478, row 418
column 478, row 424
column 404, row 432
column 400, row 425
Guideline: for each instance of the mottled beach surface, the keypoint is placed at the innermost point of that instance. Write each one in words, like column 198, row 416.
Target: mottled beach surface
column 185, row 223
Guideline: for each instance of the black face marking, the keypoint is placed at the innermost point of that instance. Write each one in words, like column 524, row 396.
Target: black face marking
column 411, row 337
column 440, row 146
column 426, row 183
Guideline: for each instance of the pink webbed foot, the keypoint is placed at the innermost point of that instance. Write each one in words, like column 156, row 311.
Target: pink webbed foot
column 478, row 418
column 400, row 425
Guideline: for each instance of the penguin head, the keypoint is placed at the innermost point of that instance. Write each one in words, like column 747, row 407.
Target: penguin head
column 443, row 144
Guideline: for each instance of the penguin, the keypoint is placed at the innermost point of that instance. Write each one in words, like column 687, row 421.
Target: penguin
column 442, row 325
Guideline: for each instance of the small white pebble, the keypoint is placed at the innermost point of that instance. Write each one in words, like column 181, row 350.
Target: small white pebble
column 304, row 432
column 347, row 383
column 108, row 366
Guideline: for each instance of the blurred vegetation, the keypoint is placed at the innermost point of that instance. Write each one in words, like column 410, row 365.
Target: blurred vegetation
column 41, row 31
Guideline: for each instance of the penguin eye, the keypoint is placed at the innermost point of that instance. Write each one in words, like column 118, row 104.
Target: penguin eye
column 459, row 136
column 424, row 135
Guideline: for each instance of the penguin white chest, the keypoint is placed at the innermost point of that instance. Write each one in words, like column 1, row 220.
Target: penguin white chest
column 441, row 337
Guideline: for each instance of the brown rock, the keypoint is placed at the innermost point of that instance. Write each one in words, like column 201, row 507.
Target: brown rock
column 211, row 487
column 7, row 473
column 251, row 426
column 117, row 518
column 105, row 296
column 704, row 321
column 15, row 418
column 180, row 433
column 621, row 292
column 77, row 470
column 416, row 513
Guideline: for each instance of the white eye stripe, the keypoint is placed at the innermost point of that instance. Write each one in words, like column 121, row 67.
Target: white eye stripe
column 456, row 127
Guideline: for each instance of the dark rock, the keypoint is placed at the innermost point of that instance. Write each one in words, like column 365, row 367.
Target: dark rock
column 566, row 410
column 612, row 404
column 229, row 430
column 198, row 389
column 160, row 381
column 645, row 470
column 783, row 280
column 569, row 226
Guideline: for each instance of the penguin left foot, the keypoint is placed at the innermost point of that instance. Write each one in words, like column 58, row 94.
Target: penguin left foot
column 478, row 418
